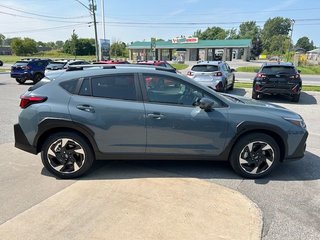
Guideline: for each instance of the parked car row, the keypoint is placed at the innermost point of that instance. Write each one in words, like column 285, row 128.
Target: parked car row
column 35, row 68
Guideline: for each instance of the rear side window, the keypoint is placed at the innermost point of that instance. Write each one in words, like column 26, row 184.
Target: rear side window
column 205, row 68
column 20, row 64
column 70, row 85
column 85, row 89
column 119, row 86
column 278, row 69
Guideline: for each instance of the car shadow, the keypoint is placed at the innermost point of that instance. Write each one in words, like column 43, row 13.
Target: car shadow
column 305, row 99
column 238, row 91
column 306, row 169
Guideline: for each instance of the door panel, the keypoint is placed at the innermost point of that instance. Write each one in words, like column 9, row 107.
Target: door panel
column 119, row 125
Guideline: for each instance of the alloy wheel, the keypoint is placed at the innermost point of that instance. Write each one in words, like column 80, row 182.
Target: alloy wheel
column 65, row 155
column 256, row 157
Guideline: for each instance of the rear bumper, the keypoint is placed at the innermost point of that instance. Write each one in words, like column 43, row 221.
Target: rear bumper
column 286, row 89
column 21, row 142
column 21, row 75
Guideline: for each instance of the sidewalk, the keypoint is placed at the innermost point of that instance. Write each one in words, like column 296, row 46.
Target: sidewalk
column 119, row 202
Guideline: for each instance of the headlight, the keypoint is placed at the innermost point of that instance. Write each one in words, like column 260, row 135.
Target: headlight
column 297, row 121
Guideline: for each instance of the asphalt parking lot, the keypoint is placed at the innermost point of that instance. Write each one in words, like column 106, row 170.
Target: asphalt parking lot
column 289, row 198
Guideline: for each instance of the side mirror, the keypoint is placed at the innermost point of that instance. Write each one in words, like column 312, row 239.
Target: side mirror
column 299, row 71
column 232, row 70
column 206, row 104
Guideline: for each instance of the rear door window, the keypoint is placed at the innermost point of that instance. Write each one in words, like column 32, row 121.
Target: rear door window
column 117, row 86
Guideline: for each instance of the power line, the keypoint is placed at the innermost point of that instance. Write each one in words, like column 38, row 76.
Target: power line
column 45, row 29
column 49, row 20
column 40, row 15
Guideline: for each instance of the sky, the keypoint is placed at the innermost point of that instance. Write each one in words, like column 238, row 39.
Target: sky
column 139, row 20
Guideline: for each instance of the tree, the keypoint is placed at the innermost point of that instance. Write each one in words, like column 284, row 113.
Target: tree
column 59, row 44
column 23, row 46
column 249, row 30
column 277, row 26
column 2, row 38
column 118, row 49
column 304, row 43
column 279, row 44
column 211, row 33
column 232, row 34
column 85, row 47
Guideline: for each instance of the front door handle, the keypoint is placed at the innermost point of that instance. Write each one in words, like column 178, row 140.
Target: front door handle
column 86, row 108
column 155, row 115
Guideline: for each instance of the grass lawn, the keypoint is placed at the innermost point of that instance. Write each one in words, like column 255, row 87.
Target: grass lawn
column 304, row 87
column 179, row 66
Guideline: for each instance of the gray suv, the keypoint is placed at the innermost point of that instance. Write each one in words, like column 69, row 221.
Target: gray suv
column 134, row 112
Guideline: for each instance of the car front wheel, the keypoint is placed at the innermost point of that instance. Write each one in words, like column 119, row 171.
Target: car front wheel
column 67, row 155
column 255, row 155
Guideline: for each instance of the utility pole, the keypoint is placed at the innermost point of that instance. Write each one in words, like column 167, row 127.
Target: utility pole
column 288, row 54
column 92, row 7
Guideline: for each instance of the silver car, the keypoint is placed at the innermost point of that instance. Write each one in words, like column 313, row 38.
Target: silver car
column 216, row 75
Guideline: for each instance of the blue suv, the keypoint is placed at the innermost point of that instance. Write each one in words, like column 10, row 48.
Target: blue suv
column 29, row 69
column 131, row 111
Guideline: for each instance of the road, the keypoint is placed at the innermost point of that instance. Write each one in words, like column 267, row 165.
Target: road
column 289, row 198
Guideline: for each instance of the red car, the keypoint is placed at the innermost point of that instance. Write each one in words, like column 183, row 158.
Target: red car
column 111, row 62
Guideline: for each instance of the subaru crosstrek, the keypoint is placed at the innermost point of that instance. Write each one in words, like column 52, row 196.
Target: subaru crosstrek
column 216, row 75
column 277, row 78
column 29, row 69
column 135, row 112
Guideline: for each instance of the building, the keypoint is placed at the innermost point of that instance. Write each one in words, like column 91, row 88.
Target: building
column 313, row 56
column 191, row 49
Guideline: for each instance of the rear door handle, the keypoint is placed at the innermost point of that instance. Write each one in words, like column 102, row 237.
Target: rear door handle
column 155, row 115
column 86, row 108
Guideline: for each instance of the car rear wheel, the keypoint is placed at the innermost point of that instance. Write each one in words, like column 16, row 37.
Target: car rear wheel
column 67, row 155
column 255, row 155
column 254, row 95
column 232, row 85
column 295, row 98
column 37, row 77
column 20, row 80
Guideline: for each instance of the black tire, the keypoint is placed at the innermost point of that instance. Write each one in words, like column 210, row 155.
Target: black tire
column 20, row 80
column 1, row 63
column 254, row 95
column 232, row 85
column 67, row 155
column 295, row 98
column 37, row 77
column 258, row 161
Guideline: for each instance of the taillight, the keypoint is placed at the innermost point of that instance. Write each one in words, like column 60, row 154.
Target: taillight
column 257, row 87
column 295, row 76
column 25, row 67
column 260, row 75
column 217, row 74
column 26, row 101
column 189, row 73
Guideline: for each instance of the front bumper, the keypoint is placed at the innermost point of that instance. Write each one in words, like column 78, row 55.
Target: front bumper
column 300, row 149
column 21, row 142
